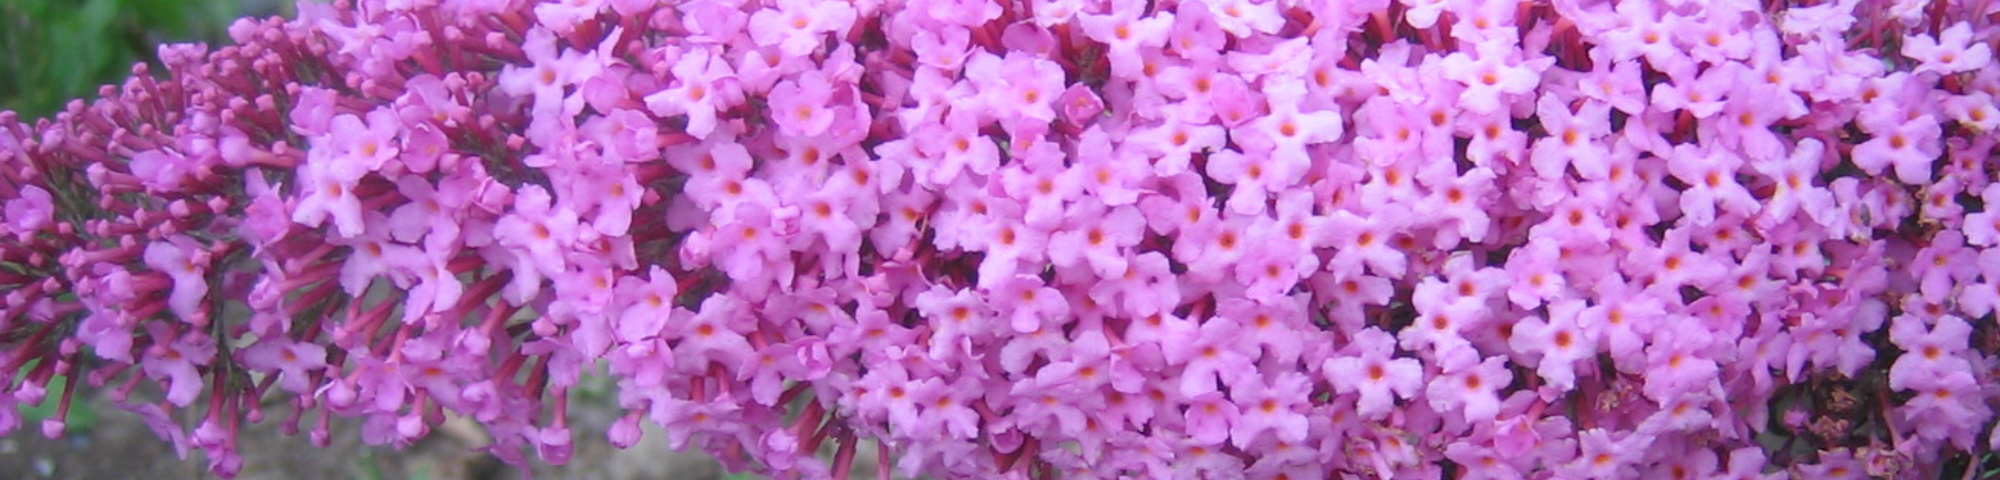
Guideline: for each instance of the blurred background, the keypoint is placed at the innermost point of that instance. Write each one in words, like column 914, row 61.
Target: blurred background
column 52, row 51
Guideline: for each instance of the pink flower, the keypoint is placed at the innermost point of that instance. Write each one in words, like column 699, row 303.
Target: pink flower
column 1147, row 287
column 1927, row 351
column 706, row 86
column 1571, row 136
column 1125, row 33
column 292, row 360
column 1623, row 321
column 1255, row 177
column 1242, row 17
column 1606, row 454
column 1945, row 408
column 1910, row 146
column 1794, row 189
column 1677, row 363
column 563, row 16
column 1952, row 51
column 1098, row 237
column 649, row 305
column 944, row 49
column 175, row 358
column 539, row 233
column 1042, row 411
column 1208, row 353
column 331, row 193
column 1702, row 96
column 1176, row 140
column 1017, row 87
column 1112, row 174
column 437, row 290
column 186, row 262
column 1461, row 204
column 1491, row 77
column 547, row 80
column 1559, row 343
column 1468, row 385
column 1617, row 84
column 1711, row 180
column 1977, row 111
column 1046, row 191
column 34, row 209
column 1366, row 241
column 956, row 318
column 1030, row 303
column 1196, row 31
column 1373, row 375
column 1272, row 407
column 1535, row 272
column 1079, row 106
column 1424, row 13
column 1210, row 416
column 802, row 107
column 715, row 333
column 1835, row 341
column 958, row 147
column 795, row 26
column 366, row 146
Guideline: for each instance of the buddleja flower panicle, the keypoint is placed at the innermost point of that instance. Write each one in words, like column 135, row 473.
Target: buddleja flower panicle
column 1067, row 238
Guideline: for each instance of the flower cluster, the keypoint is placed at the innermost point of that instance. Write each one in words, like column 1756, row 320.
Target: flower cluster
column 1046, row 238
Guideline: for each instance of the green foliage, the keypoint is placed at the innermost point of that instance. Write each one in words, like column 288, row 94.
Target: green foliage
column 52, row 51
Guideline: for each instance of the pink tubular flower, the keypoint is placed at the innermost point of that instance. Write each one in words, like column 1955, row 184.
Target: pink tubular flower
column 32, row 211
column 563, row 16
column 176, row 359
column 1126, row 32
column 1560, row 343
column 1468, row 385
column 1712, row 185
column 1018, row 87
column 1270, row 408
column 1702, row 96
column 332, row 195
column 1910, row 147
column 187, row 264
column 547, row 81
column 1571, row 136
column 292, row 360
column 803, row 107
column 538, row 231
column 1097, row 236
column 366, row 146
column 1373, row 375
column 1207, row 352
column 706, row 85
column 795, row 26
column 1952, row 51
column 1929, row 352
column 1490, row 76
column 1210, row 416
